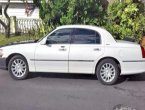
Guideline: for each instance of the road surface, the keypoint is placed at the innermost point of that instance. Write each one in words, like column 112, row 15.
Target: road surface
column 47, row 91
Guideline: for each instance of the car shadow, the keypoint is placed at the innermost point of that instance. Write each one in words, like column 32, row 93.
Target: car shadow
column 137, row 77
column 63, row 76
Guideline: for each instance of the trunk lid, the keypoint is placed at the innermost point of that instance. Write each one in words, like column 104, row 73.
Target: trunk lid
column 127, row 43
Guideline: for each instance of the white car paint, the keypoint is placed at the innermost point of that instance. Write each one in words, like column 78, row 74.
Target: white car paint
column 79, row 58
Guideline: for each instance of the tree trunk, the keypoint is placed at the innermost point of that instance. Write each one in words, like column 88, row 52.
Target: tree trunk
column 7, row 31
column 6, row 26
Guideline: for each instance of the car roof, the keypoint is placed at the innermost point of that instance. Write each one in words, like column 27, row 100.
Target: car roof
column 81, row 26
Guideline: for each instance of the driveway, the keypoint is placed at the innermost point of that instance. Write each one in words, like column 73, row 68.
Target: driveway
column 70, row 92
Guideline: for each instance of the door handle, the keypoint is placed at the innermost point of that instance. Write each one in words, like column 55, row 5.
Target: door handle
column 97, row 49
column 62, row 49
column 62, row 46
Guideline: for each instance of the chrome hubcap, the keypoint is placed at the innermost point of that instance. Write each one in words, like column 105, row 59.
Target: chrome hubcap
column 107, row 72
column 18, row 68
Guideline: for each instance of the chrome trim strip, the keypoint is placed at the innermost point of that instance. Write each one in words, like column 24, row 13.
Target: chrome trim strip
column 63, row 60
column 134, row 61
column 81, row 60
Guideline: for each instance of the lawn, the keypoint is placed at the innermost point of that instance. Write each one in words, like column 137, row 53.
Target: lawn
column 4, row 40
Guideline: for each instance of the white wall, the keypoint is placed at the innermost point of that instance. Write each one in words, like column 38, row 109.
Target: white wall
column 18, row 10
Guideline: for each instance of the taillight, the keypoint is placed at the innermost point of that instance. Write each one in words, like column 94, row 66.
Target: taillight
column 1, row 52
column 143, row 52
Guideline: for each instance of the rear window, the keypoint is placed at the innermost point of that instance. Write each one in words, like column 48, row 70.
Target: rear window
column 85, row 36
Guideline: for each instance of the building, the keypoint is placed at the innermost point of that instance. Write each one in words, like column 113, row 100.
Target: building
column 20, row 9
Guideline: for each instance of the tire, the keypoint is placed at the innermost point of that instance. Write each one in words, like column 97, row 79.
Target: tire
column 108, row 72
column 18, row 67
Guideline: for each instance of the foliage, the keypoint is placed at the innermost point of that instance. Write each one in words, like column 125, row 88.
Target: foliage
column 125, row 19
column 84, row 12
column 60, row 12
column 41, row 31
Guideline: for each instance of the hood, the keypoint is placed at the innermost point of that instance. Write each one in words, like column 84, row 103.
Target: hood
column 21, row 42
column 19, row 45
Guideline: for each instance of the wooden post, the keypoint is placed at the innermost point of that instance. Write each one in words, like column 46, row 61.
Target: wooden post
column 13, row 25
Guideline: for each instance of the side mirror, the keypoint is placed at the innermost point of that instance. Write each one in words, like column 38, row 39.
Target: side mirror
column 48, row 41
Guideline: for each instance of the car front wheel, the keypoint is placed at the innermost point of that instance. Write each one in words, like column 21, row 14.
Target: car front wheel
column 18, row 67
column 108, row 72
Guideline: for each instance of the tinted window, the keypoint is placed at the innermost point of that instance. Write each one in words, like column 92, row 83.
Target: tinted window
column 61, row 36
column 85, row 36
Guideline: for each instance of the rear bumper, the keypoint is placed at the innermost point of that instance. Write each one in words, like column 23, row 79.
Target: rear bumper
column 3, row 63
column 133, row 67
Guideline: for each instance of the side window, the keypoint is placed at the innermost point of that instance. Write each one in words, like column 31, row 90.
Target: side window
column 0, row 10
column 61, row 36
column 86, row 36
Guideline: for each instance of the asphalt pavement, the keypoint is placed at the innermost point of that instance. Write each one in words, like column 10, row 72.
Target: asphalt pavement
column 54, row 91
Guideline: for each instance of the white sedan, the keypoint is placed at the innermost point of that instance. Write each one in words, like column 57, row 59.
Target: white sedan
column 75, row 49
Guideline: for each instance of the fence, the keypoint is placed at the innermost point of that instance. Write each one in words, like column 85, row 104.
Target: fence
column 24, row 25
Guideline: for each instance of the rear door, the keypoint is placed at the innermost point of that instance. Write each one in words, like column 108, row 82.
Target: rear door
column 85, row 48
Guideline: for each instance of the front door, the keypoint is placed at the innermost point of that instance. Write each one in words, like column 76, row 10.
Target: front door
column 53, row 56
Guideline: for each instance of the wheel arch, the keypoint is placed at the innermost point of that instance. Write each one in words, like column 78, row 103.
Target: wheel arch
column 114, row 59
column 11, row 56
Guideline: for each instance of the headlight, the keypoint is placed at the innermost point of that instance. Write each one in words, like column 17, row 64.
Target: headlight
column 1, row 52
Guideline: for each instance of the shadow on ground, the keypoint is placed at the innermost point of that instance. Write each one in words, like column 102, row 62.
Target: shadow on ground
column 135, row 77
column 139, row 77
column 63, row 76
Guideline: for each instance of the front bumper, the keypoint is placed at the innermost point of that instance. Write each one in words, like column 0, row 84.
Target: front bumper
column 3, row 63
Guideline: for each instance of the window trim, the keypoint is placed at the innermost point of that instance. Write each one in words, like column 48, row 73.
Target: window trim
column 72, row 37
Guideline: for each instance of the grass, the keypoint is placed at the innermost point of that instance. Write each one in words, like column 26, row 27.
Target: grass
column 4, row 40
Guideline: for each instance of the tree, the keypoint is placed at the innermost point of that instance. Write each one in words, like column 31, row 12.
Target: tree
column 60, row 12
column 89, row 12
column 126, row 19
column 6, row 26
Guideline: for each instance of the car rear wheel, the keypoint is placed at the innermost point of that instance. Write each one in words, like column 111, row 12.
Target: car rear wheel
column 18, row 67
column 108, row 72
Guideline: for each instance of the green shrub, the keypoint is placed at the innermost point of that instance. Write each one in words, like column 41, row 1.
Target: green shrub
column 125, row 19
column 84, row 12
column 60, row 12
